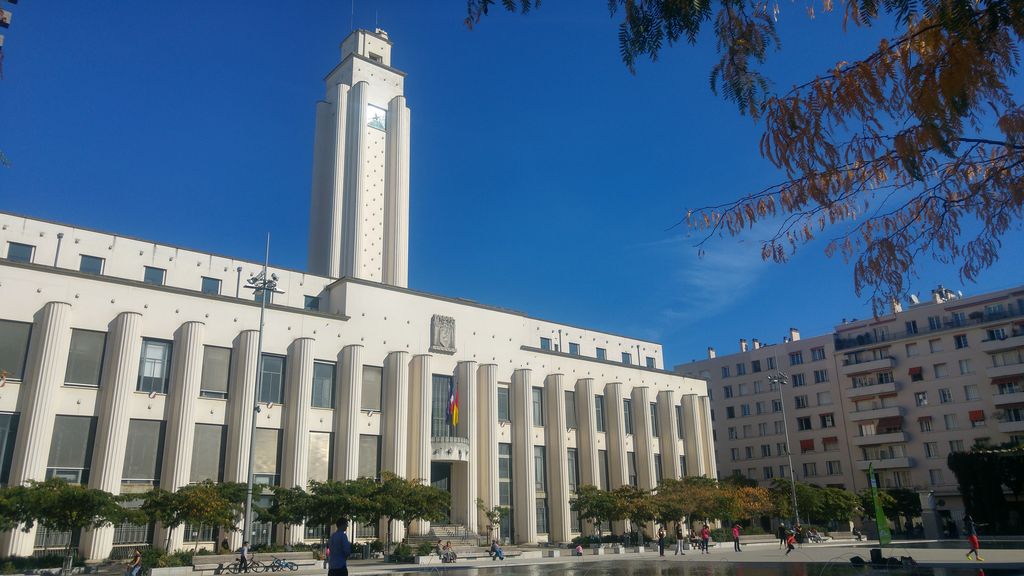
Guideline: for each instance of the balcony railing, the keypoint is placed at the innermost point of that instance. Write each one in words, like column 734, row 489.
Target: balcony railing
column 948, row 323
column 874, row 365
column 886, row 463
column 875, row 414
column 449, row 449
column 1006, row 370
column 876, row 439
column 871, row 390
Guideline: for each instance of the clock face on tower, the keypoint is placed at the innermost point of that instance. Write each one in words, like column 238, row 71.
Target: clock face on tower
column 376, row 117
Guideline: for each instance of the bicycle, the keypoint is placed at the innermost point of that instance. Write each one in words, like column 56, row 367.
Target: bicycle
column 279, row 564
column 254, row 566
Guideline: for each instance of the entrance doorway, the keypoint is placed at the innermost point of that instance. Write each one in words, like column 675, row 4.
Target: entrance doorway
column 441, row 477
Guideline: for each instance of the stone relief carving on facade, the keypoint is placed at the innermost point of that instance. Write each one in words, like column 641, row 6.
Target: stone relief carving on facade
column 442, row 334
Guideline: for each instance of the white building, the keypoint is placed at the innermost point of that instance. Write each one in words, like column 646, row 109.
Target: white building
column 131, row 364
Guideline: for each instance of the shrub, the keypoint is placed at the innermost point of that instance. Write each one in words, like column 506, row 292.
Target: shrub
column 402, row 553
column 424, row 549
column 376, row 546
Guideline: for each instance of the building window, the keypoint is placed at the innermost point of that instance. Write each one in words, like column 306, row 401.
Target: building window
column 210, row 286
column 20, row 252
column 828, row 420
column 727, row 391
column 921, row 398
column 743, row 389
column 807, row 446
column 931, row 449
column 271, row 390
column 732, row 433
column 545, row 343
column 885, row 378
column 14, row 339
column 798, row 380
column 760, row 407
column 90, row 264
column 741, row 368
column 824, row 398
column 833, row 467
column 599, row 423
column 503, row 405
column 725, row 371
column 655, row 427
column 800, row 401
column 951, row 421
column 155, row 366
column 945, row 396
column 916, row 374
column 925, row 424
column 369, row 456
column 85, row 361
column 730, row 412
column 540, row 469
column 965, row 366
column 574, row 348
column 796, row 358
column 659, row 474
column 934, row 323
column 776, row 405
column 627, row 358
column 817, row 354
column 323, row 385
column 977, row 418
column 935, row 345
column 442, row 393
column 679, row 422
column 505, row 484
column 603, row 474
column 153, row 275
column 538, row 406
column 370, row 399
column 830, row 444
column 820, row 376
column 911, row 327
column 960, row 341
column 627, row 415
column 71, row 448
column 216, row 372
column 208, row 453
column 649, row 362
column 311, row 303
column 941, row 370
column 570, row 409
column 631, row 469
column 143, row 452
column 803, row 423
column 8, row 435
column 320, row 462
column 810, row 469
column 935, row 476
column 781, row 449
column 602, row 354
column 771, row 362
column 956, row 445
column 912, row 349
column 971, row 392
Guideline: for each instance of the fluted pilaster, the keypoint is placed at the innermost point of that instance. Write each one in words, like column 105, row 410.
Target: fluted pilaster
column 396, row 420
column 241, row 401
column 420, row 397
column 556, row 441
column 669, row 436
column 43, row 378
column 346, row 413
column 643, row 440
column 395, row 267
column 186, row 376
column 113, row 421
column 295, row 471
column 465, row 378
column 618, row 468
column 692, row 428
column 524, row 509
column 355, row 163
column 486, row 431
column 707, row 436
column 337, row 182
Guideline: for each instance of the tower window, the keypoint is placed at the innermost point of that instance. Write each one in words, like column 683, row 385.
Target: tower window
column 376, row 58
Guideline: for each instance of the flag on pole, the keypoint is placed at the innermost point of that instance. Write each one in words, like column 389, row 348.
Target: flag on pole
column 884, row 536
column 453, row 403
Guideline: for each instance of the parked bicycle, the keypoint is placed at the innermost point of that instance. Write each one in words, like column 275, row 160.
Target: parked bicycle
column 279, row 564
column 255, row 566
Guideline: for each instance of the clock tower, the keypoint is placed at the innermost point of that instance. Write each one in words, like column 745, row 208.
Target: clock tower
column 359, row 214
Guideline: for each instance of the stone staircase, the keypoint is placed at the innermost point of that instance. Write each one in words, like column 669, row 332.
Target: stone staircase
column 459, row 536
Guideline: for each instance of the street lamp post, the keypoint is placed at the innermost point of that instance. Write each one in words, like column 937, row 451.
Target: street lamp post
column 261, row 285
column 780, row 380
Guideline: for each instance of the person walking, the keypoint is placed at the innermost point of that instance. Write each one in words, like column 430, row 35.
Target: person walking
column 705, row 537
column 135, row 567
column 661, row 541
column 243, row 557
column 341, row 549
column 971, row 529
column 736, row 537
column 781, row 533
column 679, row 539
column 790, row 542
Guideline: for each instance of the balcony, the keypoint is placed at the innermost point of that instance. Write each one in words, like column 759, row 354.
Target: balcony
column 449, row 449
column 1011, row 426
column 998, row 345
column 890, row 438
column 873, row 390
column 1008, row 370
column 886, row 463
column 875, row 414
column 1008, row 399
column 868, row 366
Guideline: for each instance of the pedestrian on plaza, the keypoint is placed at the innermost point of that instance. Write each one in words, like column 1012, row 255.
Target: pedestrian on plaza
column 243, row 557
column 679, row 539
column 705, row 537
column 341, row 549
column 971, row 529
column 661, row 541
column 135, row 567
column 496, row 552
column 790, row 542
column 781, row 533
column 736, row 537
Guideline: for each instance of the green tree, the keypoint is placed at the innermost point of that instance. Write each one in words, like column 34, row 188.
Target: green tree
column 671, row 504
column 494, row 516
column 867, row 505
column 913, row 149
column 594, row 505
column 838, row 505
column 635, row 505
column 424, row 502
column 808, row 500
column 707, row 500
column 207, row 503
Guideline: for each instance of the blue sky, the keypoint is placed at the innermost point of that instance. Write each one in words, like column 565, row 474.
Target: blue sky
column 544, row 177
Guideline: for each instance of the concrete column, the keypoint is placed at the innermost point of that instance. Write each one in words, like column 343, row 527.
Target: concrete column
column 524, row 490
column 487, row 443
column 557, row 442
column 346, row 413
column 707, row 436
column 618, row 468
column 420, row 398
column 692, row 429
column 44, row 375
column 396, row 421
column 295, row 469
column 355, row 165
column 395, row 267
column 669, row 437
column 337, row 182
column 186, row 376
column 241, row 399
column 466, row 510
column 586, row 439
column 112, row 424
column 643, row 440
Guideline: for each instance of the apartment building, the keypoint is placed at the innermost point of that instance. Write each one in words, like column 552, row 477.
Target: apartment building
column 897, row 393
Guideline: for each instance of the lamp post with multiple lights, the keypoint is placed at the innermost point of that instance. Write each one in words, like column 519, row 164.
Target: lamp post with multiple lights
column 780, row 380
column 262, row 285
